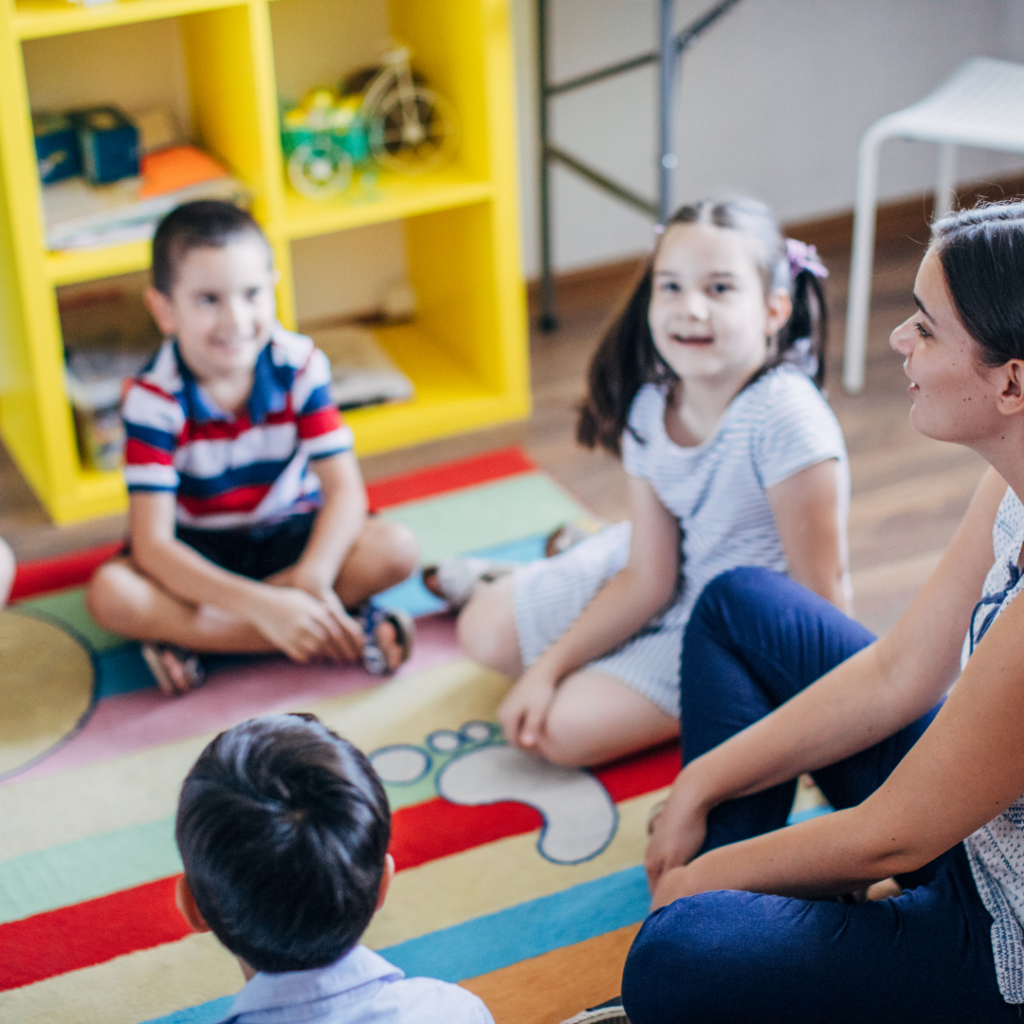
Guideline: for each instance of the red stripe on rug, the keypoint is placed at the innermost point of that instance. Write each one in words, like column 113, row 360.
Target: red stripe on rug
column 436, row 829
column 71, row 570
column 89, row 933
column 97, row 930
column 449, row 476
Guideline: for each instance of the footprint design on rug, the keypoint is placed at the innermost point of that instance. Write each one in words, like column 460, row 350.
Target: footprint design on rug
column 475, row 766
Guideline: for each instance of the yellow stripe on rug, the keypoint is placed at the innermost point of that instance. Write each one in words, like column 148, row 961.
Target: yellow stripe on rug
column 143, row 786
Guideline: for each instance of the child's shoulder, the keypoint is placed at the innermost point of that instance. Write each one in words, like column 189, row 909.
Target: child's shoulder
column 288, row 348
column 782, row 391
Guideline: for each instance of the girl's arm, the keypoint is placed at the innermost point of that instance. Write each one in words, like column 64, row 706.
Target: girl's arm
column 806, row 510
column 865, row 699
column 642, row 589
column 966, row 769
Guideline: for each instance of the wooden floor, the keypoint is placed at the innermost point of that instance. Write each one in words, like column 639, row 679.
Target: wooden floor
column 908, row 491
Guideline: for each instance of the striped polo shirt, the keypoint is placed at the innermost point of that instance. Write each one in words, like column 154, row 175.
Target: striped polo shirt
column 231, row 471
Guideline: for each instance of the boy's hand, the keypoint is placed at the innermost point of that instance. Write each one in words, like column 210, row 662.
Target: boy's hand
column 524, row 711
column 305, row 627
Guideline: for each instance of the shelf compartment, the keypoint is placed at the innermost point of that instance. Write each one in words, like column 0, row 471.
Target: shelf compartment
column 72, row 266
column 37, row 19
column 450, row 397
column 399, row 197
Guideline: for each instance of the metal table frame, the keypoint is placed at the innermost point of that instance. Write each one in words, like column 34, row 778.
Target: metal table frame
column 670, row 48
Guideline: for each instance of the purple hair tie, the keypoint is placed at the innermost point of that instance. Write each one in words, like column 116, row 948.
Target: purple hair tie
column 802, row 256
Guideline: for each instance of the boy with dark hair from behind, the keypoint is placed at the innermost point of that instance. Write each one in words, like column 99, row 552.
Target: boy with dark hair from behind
column 247, row 509
column 283, row 828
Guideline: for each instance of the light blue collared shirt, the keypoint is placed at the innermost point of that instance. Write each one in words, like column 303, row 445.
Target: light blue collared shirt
column 360, row 988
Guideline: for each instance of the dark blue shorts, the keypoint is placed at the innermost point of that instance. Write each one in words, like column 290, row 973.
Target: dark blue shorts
column 253, row 551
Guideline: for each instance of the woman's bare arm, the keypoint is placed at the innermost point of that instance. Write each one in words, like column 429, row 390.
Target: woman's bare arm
column 869, row 697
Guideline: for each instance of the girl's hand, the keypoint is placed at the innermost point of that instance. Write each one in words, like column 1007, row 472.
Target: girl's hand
column 300, row 625
column 524, row 711
column 677, row 834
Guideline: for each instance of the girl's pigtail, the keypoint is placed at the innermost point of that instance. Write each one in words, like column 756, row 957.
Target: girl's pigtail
column 624, row 361
column 803, row 341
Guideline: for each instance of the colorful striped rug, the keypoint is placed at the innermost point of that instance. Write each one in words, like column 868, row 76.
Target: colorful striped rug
column 518, row 879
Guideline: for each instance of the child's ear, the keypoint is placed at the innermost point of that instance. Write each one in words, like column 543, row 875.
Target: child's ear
column 385, row 881
column 780, row 309
column 186, row 903
column 162, row 310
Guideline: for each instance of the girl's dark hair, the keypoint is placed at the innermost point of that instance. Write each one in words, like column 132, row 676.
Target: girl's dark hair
column 982, row 255
column 204, row 223
column 283, row 828
column 626, row 358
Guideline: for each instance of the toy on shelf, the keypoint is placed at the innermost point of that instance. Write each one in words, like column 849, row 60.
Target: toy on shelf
column 109, row 143
column 382, row 115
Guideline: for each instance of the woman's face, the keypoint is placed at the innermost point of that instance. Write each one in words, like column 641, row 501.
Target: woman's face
column 708, row 315
column 954, row 394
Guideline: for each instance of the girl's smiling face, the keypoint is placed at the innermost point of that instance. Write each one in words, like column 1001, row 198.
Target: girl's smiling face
column 709, row 316
column 954, row 393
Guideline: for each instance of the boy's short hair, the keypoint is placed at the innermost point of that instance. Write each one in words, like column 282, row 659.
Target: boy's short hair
column 283, row 828
column 205, row 223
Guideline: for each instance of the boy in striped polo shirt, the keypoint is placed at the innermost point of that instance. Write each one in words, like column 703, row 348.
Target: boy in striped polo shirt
column 247, row 511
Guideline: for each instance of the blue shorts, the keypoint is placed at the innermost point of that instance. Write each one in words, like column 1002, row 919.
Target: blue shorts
column 254, row 551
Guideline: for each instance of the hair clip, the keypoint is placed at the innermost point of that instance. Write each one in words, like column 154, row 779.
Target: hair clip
column 802, row 256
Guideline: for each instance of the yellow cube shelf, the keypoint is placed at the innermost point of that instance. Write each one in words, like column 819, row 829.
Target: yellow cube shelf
column 466, row 353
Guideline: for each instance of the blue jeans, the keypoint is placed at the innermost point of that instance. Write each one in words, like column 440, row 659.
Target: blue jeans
column 756, row 639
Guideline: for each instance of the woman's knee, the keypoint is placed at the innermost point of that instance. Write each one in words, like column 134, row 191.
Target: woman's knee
column 487, row 629
column 690, row 957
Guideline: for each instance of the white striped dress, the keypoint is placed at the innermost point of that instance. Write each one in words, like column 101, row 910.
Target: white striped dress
column 773, row 429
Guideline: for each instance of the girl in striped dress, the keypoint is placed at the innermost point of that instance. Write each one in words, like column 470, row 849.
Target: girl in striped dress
column 707, row 388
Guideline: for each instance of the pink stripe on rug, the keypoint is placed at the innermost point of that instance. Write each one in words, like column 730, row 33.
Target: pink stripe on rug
column 136, row 721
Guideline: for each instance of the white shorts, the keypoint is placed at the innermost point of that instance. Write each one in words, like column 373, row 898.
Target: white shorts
column 550, row 594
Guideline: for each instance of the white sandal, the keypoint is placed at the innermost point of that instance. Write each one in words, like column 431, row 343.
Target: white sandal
column 453, row 579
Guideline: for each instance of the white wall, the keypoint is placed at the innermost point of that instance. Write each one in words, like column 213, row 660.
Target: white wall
column 772, row 102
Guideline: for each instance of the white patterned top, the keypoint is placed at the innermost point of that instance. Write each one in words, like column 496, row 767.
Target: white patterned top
column 996, row 850
column 717, row 490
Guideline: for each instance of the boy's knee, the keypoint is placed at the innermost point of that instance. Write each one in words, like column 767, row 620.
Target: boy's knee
column 106, row 596
column 7, row 569
column 398, row 551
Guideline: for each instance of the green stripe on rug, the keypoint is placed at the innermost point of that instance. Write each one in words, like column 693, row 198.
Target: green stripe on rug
column 486, row 516
column 476, row 518
column 87, row 868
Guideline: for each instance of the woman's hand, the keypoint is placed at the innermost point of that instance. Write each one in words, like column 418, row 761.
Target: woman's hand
column 677, row 833
column 524, row 711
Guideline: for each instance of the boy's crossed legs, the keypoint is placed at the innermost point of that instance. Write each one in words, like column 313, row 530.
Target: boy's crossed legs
column 124, row 599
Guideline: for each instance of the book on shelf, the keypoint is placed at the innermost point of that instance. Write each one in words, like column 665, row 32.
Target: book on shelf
column 362, row 373
column 78, row 215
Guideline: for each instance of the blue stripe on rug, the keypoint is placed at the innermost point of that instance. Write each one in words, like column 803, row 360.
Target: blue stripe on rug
column 488, row 943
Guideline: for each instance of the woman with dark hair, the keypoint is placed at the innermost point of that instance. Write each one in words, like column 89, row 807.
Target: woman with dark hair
column 754, row 921
column 705, row 386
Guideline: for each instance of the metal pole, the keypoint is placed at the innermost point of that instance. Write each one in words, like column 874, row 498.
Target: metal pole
column 666, row 84
column 548, row 321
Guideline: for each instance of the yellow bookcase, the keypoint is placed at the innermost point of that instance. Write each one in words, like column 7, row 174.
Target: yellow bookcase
column 466, row 351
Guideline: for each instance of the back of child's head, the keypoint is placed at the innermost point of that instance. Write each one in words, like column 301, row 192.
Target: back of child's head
column 627, row 358
column 283, row 828
column 205, row 223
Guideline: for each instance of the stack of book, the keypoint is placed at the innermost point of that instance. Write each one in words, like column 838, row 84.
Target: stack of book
column 78, row 215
